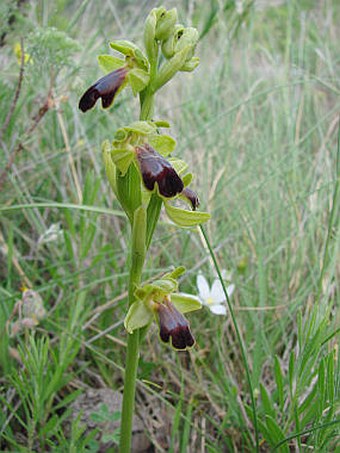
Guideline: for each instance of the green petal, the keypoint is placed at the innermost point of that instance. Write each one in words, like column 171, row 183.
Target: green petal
column 163, row 144
column 179, row 165
column 185, row 218
column 137, row 317
column 108, row 63
column 185, row 302
column 162, row 123
column 125, row 47
column 187, row 179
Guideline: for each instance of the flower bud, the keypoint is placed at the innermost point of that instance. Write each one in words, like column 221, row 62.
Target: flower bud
column 189, row 37
column 165, row 23
column 168, row 46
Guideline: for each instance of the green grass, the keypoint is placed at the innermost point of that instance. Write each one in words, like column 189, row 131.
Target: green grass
column 258, row 123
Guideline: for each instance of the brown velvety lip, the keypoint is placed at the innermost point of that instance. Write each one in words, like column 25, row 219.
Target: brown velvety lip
column 156, row 169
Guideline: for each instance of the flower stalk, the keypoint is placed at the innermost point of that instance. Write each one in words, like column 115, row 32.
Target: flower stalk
column 144, row 179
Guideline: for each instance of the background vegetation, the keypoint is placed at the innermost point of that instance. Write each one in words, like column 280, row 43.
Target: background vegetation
column 258, row 121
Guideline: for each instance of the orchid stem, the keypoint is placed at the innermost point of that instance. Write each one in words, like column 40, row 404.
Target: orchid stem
column 138, row 251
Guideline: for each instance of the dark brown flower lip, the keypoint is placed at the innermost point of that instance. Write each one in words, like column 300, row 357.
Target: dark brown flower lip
column 156, row 169
column 174, row 326
column 192, row 197
column 105, row 88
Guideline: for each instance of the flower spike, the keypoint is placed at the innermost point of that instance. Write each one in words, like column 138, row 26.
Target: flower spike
column 105, row 88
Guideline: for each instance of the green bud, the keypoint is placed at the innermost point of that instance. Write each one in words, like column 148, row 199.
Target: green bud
column 168, row 46
column 189, row 37
column 150, row 36
column 170, row 67
column 165, row 24
column 191, row 65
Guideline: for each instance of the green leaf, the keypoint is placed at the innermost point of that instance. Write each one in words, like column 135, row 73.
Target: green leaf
column 185, row 302
column 137, row 317
column 267, row 402
column 138, row 80
column 276, row 433
column 279, row 381
column 185, row 218
column 108, row 63
column 163, row 144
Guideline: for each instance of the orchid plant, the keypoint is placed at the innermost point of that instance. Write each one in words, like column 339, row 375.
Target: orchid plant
column 144, row 177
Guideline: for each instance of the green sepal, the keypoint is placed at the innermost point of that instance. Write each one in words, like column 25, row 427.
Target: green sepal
column 110, row 168
column 185, row 302
column 190, row 65
column 187, row 179
column 122, row 158
column 138, row 316
column 165, row 24
column 138, row 80
column 108, row 63
column 164, row 144
column 185, row 218
column 179, row 165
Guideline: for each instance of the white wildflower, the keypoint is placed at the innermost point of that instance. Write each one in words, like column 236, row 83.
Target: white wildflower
column 214, row 297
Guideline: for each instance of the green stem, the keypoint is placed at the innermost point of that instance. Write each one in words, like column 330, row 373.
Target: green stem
column 239, row 338
column 138, row 251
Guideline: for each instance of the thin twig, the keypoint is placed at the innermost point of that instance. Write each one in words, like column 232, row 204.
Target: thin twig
column 46, row 106
column 17, row 91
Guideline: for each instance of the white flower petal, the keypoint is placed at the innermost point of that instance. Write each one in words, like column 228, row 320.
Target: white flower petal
column 217, row 293
column 218, row 309
column 230, row 289
column 203, row 288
